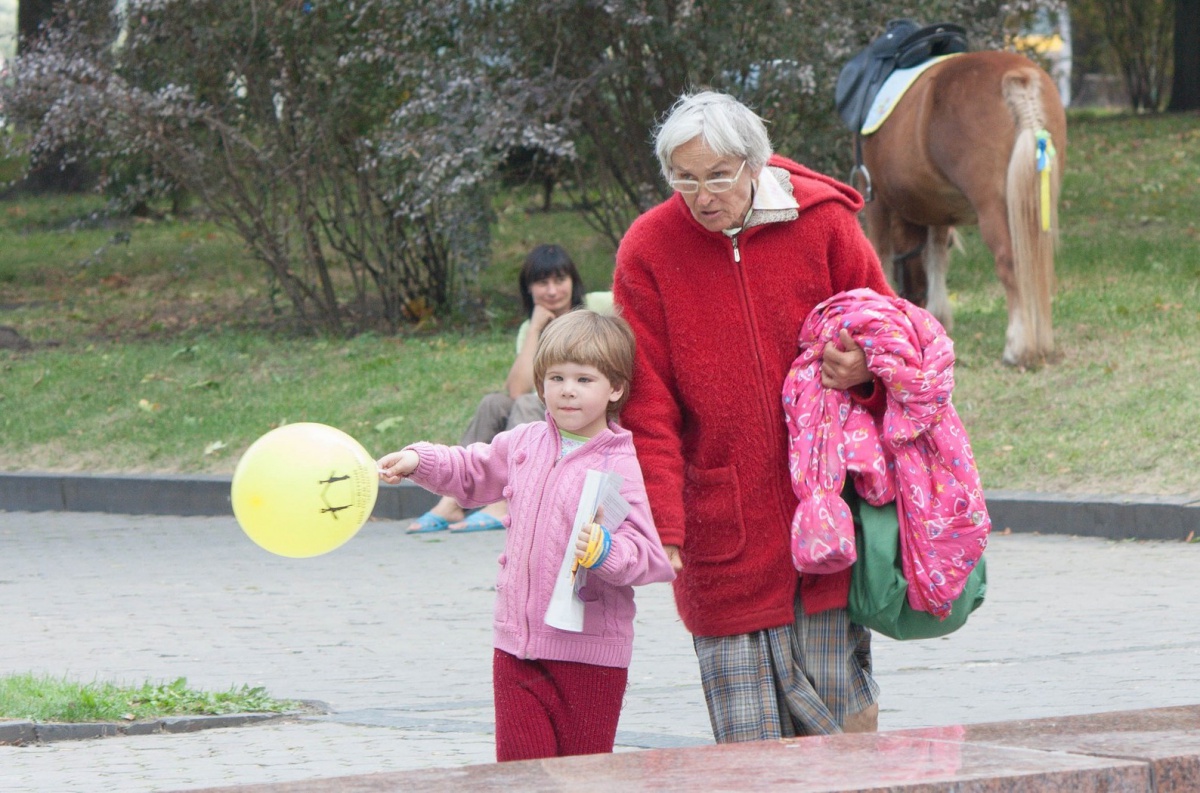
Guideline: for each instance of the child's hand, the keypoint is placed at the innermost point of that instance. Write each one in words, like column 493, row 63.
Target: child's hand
column 397, row 465
column 584, row 539
column 591, row 544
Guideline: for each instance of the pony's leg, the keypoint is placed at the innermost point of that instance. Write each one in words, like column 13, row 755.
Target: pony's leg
column 909, row 273
column 937, row 262
column 879, row 232
column 993, row 228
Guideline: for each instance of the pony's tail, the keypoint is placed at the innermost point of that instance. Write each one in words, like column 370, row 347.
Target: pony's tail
column 1032, row 224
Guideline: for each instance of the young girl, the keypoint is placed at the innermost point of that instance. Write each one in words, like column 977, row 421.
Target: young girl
column 557, row 692
column 550, row 286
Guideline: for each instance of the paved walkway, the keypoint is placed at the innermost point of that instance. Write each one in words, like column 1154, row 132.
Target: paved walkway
column 393, row 632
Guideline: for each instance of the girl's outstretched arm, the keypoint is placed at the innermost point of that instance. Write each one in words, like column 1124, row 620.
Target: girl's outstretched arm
column 398, row 465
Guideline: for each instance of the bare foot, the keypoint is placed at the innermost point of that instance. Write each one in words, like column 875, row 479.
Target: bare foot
column 447, row 509
column 499, row 511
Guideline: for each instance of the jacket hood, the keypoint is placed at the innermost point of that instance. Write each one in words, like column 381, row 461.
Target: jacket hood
column 811, row 188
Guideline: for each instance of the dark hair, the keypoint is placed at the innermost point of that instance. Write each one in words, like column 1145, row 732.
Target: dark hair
column 543, row 262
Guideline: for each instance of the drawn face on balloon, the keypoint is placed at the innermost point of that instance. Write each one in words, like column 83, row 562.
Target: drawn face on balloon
column 303, row 489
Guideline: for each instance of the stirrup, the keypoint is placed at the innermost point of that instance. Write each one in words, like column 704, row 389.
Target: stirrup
column 868, row 193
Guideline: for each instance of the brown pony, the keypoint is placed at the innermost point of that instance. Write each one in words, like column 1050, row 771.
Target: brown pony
column 959, row 148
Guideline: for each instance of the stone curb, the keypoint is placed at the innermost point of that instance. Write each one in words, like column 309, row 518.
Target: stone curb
column 19, row 733
column 186, row 496
column 1110, row 517
column 23, row 732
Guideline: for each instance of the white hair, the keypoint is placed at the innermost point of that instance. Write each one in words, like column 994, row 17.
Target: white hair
column 721, row 122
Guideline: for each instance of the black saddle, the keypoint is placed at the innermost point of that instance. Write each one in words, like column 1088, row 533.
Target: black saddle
column 904, row 44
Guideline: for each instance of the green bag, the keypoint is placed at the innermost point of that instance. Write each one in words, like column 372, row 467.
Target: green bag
column 878, row 589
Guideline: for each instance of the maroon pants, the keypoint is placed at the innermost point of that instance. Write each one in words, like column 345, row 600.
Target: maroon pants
column 554, row 708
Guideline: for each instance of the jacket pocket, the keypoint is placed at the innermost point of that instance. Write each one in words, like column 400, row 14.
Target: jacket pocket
column 713, row 525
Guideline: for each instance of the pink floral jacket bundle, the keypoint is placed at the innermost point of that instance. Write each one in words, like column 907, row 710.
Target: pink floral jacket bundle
column 916, row 453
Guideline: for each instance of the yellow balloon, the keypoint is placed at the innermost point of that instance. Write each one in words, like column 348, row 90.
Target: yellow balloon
column 304, row 489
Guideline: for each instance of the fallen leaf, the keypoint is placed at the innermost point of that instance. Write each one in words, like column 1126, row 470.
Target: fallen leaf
column 115, row 281
column 388, row 423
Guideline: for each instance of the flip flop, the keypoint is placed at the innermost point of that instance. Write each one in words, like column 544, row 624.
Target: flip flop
column 479, row 521
column 428, row 523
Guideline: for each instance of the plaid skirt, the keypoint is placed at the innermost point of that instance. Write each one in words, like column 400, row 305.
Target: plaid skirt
column 794, row 680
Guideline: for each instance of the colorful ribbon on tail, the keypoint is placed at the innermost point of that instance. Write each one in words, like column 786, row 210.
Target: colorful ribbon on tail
column 1045, row 161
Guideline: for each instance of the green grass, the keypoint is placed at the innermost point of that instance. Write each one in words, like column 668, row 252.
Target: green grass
column 46, row 699
column 196, row 404
column 163, row 354
column 521, row 225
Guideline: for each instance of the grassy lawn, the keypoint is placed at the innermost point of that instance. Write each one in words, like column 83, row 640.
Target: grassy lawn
column 43, row 699
column 157, row 347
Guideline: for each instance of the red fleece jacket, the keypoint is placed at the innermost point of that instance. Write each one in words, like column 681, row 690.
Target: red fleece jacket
column 715, row 339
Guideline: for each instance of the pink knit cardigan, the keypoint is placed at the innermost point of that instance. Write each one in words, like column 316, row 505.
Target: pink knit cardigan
column 917, row 453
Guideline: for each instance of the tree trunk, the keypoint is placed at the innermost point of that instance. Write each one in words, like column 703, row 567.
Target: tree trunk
column 30, row 16
column 54, row 174
column 1185, row 87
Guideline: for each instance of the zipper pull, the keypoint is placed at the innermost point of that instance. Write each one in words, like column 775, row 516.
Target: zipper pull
column 737, row 254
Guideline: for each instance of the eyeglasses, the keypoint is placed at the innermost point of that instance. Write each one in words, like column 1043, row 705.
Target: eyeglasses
column 690, row 186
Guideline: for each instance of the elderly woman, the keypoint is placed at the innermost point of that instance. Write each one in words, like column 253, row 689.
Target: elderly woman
column 716, row 282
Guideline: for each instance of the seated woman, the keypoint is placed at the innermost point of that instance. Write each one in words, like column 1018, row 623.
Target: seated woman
column 550, row 287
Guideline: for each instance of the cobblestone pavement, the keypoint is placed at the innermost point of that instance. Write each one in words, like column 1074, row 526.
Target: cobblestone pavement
column 393, row 632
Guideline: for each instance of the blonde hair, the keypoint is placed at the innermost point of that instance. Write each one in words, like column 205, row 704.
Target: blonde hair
column 584, row 337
